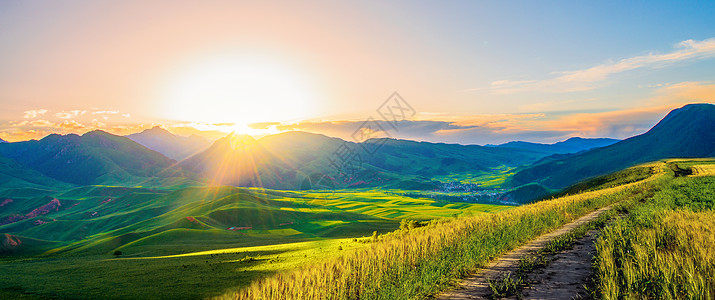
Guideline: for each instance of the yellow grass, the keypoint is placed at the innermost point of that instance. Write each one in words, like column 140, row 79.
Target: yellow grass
column 420, row 262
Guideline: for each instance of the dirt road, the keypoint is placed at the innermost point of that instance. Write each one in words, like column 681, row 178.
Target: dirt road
column 476, row 286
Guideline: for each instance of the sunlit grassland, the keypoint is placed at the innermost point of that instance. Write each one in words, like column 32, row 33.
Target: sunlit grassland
column 494, row 178
column 389, row 204
column 184, row 276
column 664, row 248
column 187, row 252
column 422, row 261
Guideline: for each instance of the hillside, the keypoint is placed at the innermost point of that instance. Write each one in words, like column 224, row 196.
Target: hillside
column 292, row 160
column 171, row 145
column 14, row 175
column 685, row 132
column 94, row 158
column 571, row 145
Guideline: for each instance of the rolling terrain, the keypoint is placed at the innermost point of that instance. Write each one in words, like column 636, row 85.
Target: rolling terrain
column 685, row 132
column 95, row 157
column 246, row 217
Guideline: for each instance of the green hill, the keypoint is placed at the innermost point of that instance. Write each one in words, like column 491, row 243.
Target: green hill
column 94, row 158
column 297, row 160
column 14, row 175
column 685, row 132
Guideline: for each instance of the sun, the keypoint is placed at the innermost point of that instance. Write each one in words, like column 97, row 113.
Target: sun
column 239, row 91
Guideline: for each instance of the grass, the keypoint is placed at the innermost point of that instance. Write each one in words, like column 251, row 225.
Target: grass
column 664, row 248
column 506, row 287
column 494, row 178
column 175, row 244
column 422, row 261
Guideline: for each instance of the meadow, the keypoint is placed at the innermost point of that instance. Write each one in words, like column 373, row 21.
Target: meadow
column 419, row 262
column 664, row 248
column 357, row 243
column 194, row 242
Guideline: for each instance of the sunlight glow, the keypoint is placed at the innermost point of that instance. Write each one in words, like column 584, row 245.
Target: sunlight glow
column 240, row 91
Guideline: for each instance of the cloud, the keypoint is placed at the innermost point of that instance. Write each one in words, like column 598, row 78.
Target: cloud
column 586, row 79
column 70, row 114
column 31, row 114
column 105, row 112
column 478, row 129
column 263, row 125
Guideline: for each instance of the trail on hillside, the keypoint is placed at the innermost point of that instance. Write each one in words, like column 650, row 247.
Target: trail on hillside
column 567, row 273
column 476, row 286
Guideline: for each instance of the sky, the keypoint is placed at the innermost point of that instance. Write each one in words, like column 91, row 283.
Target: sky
column 471, row 72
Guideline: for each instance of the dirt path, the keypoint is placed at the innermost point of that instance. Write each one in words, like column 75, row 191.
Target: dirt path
column 476, row 286
column 566, row 274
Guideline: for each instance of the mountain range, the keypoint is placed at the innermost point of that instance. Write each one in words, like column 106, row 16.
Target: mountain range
column 686, row 132
column 299, row 160
column 172, row 146
column 294, row 160
column 571, row 145
column 95, row 157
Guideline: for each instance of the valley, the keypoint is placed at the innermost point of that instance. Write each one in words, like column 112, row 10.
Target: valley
column 246, row 219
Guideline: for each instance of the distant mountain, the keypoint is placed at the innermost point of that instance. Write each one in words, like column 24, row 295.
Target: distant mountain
column 295, row 160
column 172, row 146
column 94, row 158
column 686, row 132
column 236, row 160
column 572, row 145
column 2, row 141
column 14, row 175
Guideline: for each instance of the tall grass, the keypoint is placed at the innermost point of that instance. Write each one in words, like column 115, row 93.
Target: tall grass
column 665, row 249
column 420, row 262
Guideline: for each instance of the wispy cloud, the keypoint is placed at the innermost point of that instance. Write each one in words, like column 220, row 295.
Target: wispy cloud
column 31, row 114
column 70, row 114
column 586, row 79
column 105, row 112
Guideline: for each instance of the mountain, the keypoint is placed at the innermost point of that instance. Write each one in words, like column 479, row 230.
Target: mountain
column 2, row 141
column 236, row 160
column 571, row 145
column 14, row 175
column 94, row 158
column 686, row 132
column 296, row 160
column 172, row 146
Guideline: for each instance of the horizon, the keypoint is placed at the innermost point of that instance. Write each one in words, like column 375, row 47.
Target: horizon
column 473, row 73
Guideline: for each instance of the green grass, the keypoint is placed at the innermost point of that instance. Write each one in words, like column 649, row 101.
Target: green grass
column 664, row 248
column 176, row 244
column 420, row 262
column 494, row 178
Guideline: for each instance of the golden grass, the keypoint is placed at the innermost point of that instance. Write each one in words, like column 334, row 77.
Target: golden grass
column 703, row 170
column 675, row 259
column 420, row 262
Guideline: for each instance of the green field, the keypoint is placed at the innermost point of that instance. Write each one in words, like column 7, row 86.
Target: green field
column 190, row 242
column 198, row 242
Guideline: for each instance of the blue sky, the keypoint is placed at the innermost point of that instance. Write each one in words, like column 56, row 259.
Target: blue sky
column 487, row 71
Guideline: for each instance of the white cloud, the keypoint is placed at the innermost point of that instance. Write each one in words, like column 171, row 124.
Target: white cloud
column 70, row 114
column 105, row 112
column 585, row 79
column 31, row 114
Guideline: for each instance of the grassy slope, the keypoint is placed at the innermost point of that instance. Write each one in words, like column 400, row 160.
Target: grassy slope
column 420, row 262
column 663, row 249
column 316, row 222
column 684, row 132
